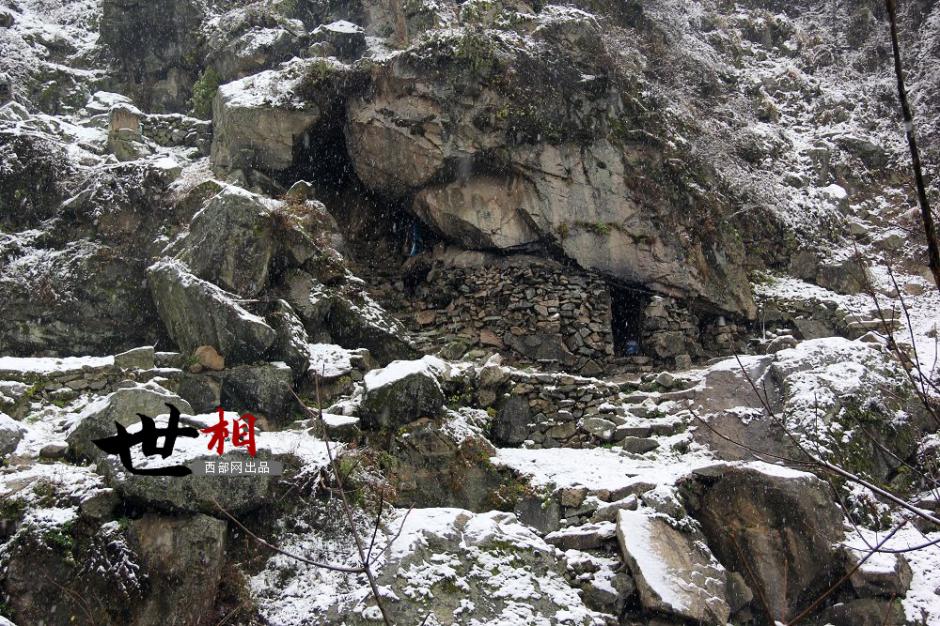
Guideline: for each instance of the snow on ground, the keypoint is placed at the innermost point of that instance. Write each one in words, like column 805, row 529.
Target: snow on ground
column 443, row 559
column 74, row 481
column 289, row 592
column 922, row 603
column 329, row 360
column 594, row 468
column 49, row 423
column 50, row 365
column 430, row 366
column 49, row 493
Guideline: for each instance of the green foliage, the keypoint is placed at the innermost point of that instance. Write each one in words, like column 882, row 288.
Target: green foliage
column 46, row 494
column 601, row 229
column 448, row 586
column 60, row 538
column 61, row 402
column 12, row 510
column 204, row 91
column 327, row 83
column 317, row 76
column 459, row 399
column 478, row 52
column 506, row 496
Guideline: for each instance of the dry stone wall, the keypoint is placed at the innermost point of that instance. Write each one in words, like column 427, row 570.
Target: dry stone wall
column 173, row 129
column 541, row 312
column 555, row 316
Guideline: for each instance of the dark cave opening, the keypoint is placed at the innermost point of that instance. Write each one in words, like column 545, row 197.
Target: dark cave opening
column 627, row 305
column 380, row 231
column 320, row 156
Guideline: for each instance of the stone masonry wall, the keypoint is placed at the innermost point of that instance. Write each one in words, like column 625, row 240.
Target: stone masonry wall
column 171, row 129
column 541, row 312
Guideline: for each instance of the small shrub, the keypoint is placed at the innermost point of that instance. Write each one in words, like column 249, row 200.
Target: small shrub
column 204, row 91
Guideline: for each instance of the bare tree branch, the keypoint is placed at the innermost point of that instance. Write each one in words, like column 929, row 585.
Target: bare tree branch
column 271, row 546
column 347, row 508
column 838, row 583
column 930, row 231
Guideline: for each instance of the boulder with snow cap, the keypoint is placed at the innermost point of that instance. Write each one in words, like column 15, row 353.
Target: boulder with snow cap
column 258, row 120
column 777, row 527
column 98, row 418
column 231, row 241
column 402, row 392
column 343, row 39
column 675, row 573
column 198, row 313
column 463, row 567
column 11, row 432
column 837, row 396
column 264, row 120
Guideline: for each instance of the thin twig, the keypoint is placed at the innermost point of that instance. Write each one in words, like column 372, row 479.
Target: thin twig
column 76, row 596
column 838, row 583
column 347, row 508
column 375, row 528
column 231, row 614
column 271, row 546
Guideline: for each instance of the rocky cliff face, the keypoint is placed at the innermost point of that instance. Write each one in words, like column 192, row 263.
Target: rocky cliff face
column 573, row 286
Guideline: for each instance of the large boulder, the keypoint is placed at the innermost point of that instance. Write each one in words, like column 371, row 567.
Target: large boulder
column 193, row 493
column 247, row 40
column 82, row 298
column 261, row 389
column 156, row 48
column 776, row 527
column 10, row 434
column 291, row 345
column 599, row 173
column 231, row 241
column 77, row 285
column 97, row 419
column 434, row 465
column 483, row 212
column 833, row 395
column 33, row 179
column 183, row 558
column 449, row 564
column 52, row 553
column 345, row 315
column 674, row 572
column 198, row 313
column 357, row 321
column 263, row 121
column 402, row 392
column 258, row 122
column 142, row 566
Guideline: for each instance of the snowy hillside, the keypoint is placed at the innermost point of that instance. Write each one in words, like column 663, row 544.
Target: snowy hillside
column 481, row 312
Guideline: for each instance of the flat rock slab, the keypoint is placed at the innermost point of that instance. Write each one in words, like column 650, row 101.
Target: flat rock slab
column 674, row 574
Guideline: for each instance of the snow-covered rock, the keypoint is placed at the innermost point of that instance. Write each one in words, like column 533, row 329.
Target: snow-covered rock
column 402, row 392
column 675, row 573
